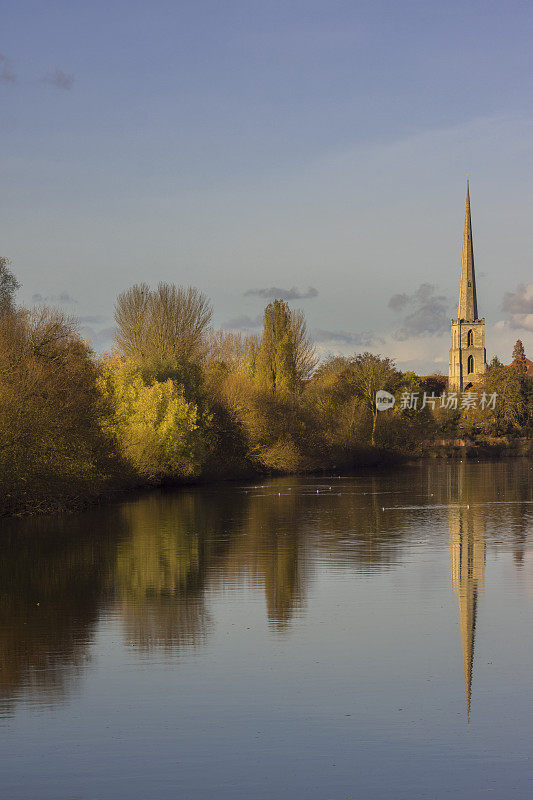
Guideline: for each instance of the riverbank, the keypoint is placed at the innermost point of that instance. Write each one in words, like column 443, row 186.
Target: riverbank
column 487, row 448
column 363, row 459
column 25, row 503
column 78, row 430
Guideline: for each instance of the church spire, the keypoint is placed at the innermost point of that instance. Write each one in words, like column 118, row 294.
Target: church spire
column 467, row 541
column 467, row 618
column 467, row 290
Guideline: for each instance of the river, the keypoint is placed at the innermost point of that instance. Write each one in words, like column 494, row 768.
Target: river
column 365, row 636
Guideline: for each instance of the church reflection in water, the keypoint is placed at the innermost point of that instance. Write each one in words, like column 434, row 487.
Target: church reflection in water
column 483, row 499
column 467, row 552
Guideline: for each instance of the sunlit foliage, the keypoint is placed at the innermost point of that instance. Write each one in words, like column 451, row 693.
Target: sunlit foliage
column 163, row 331
column 285, row 355
column 157, row 430
column 519, row 357
column 513, row 408
column 52, row 448
column 176, row 401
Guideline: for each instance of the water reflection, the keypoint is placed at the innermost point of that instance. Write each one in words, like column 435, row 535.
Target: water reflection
column 54, row 577
column 467, row 543
column 269, row 550
column 161, row 569
column 182, row 545
column 492, row 496
column 157, row 564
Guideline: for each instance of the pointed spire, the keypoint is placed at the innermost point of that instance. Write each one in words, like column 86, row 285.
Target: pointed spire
column 467, row 617
column 467, row 289
column 468, row 577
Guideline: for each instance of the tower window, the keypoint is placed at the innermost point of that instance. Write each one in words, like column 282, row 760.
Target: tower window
column 470, row 362
column 470, row 338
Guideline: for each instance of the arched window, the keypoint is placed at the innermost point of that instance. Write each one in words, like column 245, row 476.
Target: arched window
column 470, row 338
column 470, row 362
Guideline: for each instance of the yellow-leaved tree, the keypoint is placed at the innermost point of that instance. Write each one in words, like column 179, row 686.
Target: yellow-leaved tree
column 157, row 430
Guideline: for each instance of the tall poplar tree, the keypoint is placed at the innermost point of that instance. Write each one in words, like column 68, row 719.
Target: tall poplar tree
column 285, row 355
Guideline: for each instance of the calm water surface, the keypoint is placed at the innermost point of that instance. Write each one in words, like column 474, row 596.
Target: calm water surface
column 349, row 637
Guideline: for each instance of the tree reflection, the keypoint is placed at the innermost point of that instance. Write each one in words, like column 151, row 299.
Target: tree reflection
column 155, row 562
column 54, row 575
column 174, row 542
column 269, row 549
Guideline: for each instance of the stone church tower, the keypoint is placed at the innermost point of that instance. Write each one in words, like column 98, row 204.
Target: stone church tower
column 467, row 350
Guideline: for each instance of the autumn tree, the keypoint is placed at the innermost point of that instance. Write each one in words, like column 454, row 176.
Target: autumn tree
column 155, row 385
column 8, row 286
column 342, row 418
column 519, row 358
column 230, row 351
column 368, row 374
column 158, row 432
column 513, row 400
column 285, row 355
column 163, row 330
column 52, row 449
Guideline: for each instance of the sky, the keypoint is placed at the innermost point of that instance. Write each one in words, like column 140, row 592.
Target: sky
column 315, row 151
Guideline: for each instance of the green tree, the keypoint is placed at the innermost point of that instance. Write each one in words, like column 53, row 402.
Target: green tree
column 285, row 356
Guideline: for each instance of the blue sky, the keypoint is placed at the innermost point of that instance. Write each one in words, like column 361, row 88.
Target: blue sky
column 250, row 145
